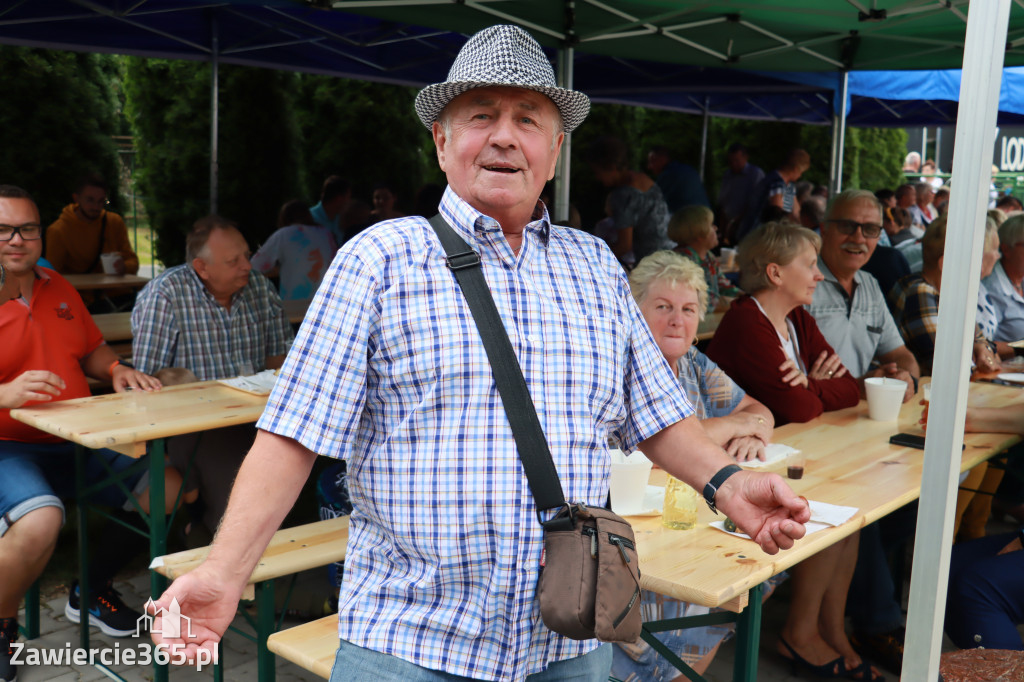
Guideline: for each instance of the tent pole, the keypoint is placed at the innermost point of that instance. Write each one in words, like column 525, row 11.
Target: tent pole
column 562, row 169
column 924, row 139
column 972, row 149
column 704, row 136
column 214, row 110
column 835, row 178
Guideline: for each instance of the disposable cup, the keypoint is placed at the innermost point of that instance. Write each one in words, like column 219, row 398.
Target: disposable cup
column 885, row 396
column 110, row 261
column 629, row 483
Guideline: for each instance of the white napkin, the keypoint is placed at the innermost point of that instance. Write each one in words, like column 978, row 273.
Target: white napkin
column 773, row 453
column 823, row 515
column 259, row 384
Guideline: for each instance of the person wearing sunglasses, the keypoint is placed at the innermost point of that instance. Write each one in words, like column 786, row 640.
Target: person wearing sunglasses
column 851, row 312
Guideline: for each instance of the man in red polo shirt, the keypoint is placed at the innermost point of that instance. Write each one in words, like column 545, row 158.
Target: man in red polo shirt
column 51, row 345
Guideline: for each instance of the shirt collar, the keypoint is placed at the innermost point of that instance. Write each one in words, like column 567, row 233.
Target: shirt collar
column 467, row 221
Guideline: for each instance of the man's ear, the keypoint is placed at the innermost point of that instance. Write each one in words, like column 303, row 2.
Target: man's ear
column 558, row 150
column 199, row 265
column 440, row 142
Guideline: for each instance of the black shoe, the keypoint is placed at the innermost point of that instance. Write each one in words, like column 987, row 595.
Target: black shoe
column 8, row 635
column 108, row 613
column 885, row 649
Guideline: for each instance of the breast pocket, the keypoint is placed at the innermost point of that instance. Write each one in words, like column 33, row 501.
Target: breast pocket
column 584, row 362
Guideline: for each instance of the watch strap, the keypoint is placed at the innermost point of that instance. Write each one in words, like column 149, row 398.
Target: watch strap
column 716, row 482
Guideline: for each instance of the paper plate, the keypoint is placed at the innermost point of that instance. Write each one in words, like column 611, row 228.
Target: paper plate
column 1014, row 377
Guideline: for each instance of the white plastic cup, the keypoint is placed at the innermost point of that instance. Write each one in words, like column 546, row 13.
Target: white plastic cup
column 628, row 483
column 110, row 261
column 885, row 397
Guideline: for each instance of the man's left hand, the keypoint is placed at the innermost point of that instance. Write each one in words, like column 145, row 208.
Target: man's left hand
column 765, row 508
column 126, row 378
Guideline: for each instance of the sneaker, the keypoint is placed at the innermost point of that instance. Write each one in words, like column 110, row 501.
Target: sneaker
column 8, row 635
column 885, row 649
column 108, row 613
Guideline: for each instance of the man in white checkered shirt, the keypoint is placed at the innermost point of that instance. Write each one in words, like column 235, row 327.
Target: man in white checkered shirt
column 390, row 374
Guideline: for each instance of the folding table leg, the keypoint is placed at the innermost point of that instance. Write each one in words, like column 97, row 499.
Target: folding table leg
column 748, row 637
column 264, row 628
column 31, row 628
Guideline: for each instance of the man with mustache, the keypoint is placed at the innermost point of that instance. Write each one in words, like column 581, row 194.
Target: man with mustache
column 851, row 313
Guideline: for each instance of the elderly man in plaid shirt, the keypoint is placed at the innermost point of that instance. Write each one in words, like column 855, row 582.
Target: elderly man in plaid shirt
column 390, row 373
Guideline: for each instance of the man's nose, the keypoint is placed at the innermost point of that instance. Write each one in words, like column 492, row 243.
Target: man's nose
column 503, row 132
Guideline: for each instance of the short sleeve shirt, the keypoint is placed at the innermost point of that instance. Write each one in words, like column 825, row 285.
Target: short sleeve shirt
column 52, row 332
column 1008, row 304
column 707, row 387
column 303, row 253
column 177, row 322
column 389, row 373
column 860, row 330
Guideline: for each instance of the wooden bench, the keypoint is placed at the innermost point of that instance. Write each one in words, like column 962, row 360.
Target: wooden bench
column 290, row 551
column 311, row 646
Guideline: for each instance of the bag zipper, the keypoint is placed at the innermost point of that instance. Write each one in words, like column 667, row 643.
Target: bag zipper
column 621, row 543
column 629, row 607
column 592, row 532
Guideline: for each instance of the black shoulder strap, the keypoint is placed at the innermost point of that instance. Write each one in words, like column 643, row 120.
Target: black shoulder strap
column 464, row 263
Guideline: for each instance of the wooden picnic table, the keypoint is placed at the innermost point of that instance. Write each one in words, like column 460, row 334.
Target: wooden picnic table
column 97, row 281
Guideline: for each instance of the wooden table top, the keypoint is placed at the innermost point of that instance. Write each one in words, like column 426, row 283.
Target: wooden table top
column 849, row 461
column 100, row 281
column 125, row 422
column 114, row 326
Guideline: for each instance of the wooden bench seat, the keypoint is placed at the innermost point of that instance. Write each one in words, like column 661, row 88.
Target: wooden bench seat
column 290, row 551
column 311, row 646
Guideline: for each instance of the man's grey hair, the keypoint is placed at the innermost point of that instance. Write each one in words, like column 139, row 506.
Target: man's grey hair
column 851, row 195
column 195, row 243
column 922, row 186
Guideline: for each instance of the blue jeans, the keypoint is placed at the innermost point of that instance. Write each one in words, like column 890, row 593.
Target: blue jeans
column 356, row 663
column 37, row 475
column 985, row 602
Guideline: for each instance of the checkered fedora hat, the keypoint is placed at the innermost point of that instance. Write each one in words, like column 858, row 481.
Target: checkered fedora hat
column 502, row 55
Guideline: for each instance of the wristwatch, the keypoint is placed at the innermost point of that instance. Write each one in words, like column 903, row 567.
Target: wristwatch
column 711, row 489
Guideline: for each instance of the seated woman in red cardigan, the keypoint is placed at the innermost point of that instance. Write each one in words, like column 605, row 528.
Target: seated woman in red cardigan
column 772, row 348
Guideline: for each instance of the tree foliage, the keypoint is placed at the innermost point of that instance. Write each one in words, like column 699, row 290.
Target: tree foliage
column 61, row 109
column 259, row 160
column 366, row 132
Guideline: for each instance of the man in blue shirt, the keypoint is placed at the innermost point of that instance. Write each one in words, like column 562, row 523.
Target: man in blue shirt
column 334, row 197
column 445, row 548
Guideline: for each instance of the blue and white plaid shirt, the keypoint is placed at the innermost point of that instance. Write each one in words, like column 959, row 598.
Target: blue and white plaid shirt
column 177, row 322
column 389, row 372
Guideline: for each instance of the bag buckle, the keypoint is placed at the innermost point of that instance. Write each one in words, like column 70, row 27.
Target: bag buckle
column 461, row 261
column 565, row 519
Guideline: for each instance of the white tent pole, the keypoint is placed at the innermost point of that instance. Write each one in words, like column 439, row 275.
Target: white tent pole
column 835, row 177
column 924, row 140
column 972, row 148
column 704, row 136
column 562, row 169
column 214, row 110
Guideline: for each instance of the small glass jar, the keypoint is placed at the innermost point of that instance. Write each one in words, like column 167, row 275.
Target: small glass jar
column 680, row 505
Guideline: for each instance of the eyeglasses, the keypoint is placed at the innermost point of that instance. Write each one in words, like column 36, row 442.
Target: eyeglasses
column 870, row 230
column 28, row 232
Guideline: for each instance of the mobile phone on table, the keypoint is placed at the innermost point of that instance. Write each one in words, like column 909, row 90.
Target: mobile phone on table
column 908, row 440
